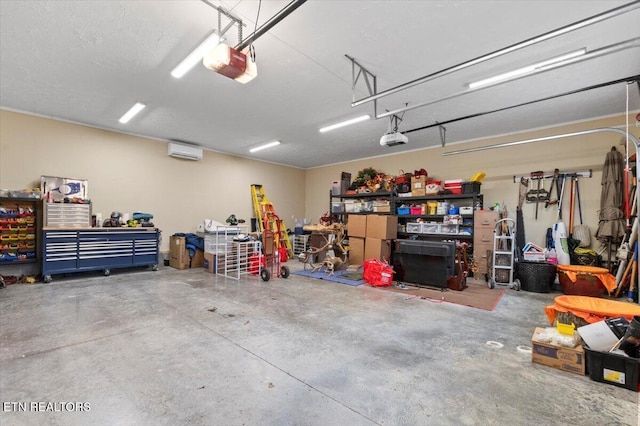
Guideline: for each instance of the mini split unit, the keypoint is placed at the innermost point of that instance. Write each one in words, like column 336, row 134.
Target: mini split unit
column 185, row 152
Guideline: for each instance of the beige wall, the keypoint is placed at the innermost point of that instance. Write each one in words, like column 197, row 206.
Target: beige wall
column 500, row 165
column 128, row 174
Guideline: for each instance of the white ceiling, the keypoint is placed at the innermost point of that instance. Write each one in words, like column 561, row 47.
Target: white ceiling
column 89, row 61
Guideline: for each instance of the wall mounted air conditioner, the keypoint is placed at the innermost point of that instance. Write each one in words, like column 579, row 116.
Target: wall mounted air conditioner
column 186, row 152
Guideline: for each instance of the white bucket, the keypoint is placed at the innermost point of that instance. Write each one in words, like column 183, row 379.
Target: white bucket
column 561, row 243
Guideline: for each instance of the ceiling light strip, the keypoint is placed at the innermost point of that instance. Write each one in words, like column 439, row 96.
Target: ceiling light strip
column 345, row 123
column 546, row 138
column 531, row 41
column 265, row 146
column 530, row 69
column 196, row 55
column 607, row 50
column 139, row 106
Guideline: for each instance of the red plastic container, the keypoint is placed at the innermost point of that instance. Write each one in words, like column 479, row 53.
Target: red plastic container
column 415, row 210
column 256, row 262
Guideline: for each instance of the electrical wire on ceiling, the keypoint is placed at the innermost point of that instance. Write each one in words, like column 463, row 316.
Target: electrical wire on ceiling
column 628, row 80
column 252, row 50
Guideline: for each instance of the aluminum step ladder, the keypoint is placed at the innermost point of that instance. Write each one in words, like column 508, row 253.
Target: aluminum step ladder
column 267, row 219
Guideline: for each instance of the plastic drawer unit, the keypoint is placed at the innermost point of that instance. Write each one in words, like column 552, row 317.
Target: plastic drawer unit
column 68, row 250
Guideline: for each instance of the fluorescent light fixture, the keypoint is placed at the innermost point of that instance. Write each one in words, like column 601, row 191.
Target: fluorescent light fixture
column 525, row 70
column 196, row 55
column 345, row 123
column 139, row 106
column 265, row 146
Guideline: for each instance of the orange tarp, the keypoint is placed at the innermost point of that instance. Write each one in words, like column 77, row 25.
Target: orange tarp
column 591, row 309
column 572, row 272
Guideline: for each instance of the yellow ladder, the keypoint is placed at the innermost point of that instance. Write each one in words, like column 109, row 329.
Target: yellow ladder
column 268, row 219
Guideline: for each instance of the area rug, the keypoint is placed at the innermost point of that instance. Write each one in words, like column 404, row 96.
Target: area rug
column 343, row 277
column 478, row 296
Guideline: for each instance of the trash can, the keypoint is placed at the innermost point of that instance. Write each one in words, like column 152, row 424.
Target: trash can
column 536, row 277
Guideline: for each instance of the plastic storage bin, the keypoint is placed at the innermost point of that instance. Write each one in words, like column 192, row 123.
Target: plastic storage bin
column 430, row 228
column 449, row 229
column 403, row 210
column 612, row 368
column 414, row 228
column 471, row 187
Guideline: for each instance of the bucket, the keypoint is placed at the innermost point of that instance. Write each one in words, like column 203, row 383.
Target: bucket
column 585, row 280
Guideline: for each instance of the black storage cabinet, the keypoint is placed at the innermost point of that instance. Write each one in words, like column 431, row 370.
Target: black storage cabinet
column 427, row 263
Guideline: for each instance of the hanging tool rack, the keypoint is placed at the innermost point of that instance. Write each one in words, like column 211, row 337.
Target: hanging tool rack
column 539, row 194
column 545, row 175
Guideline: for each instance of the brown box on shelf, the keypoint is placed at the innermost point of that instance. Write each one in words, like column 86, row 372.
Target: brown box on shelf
column 382, row 227
column 419, row 182
column 356, row 250
column 377, row 248
column 560, row 357
column 418, row 186
column 357, row 225
column 179, row 255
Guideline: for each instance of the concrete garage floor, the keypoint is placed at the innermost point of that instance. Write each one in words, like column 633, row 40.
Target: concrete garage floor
column 187, row 347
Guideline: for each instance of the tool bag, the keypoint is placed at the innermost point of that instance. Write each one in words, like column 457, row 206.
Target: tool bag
column 377, row 273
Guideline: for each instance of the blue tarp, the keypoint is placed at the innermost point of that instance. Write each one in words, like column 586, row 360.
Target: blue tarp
column 192, row 242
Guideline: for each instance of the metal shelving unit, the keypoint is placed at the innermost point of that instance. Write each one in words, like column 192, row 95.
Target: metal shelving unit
column 20, row 225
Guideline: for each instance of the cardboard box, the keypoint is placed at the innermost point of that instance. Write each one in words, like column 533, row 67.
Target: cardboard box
column 560, row 357
column 179, row 255
column 382, row 227
column 419, row 182
column 198, row 259
column 376, row 248
column 382, row 209
column 356, row 250
column 419, row 186
column 210, row 262
column 357, row 225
